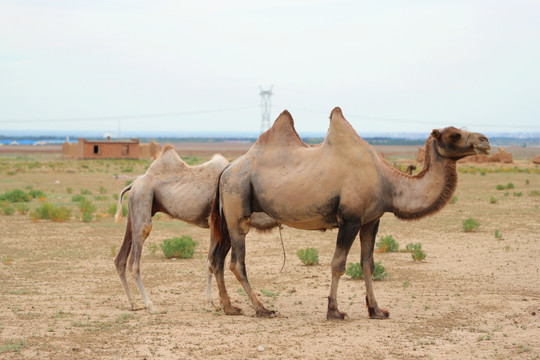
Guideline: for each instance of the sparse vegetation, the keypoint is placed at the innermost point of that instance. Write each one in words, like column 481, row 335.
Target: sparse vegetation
column 15, row 196
column 410, row 247
column 470, row 224
column 498, row 235
column 418, row 255
column 354, row 270
column 308, row 256
column 179, row 247
column 493, row 200
column 387, row 244
column 48, row 211
column 87, row 209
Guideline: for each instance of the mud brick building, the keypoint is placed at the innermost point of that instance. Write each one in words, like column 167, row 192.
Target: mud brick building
column 109, row 149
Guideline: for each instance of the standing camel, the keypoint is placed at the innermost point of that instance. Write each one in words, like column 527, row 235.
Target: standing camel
column 183, row 192
column 342, row 183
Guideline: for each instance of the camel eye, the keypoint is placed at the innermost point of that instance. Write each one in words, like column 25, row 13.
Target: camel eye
column 456, row 136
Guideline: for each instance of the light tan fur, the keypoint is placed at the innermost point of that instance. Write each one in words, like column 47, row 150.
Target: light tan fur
column 183, row 192
column 342, row 183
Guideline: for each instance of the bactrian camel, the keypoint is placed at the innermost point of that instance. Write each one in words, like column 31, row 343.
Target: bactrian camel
column 183, row 192
column 342, row 183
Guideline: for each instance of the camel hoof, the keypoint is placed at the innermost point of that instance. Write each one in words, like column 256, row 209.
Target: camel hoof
column 137, row 308
column 232, row 310
column 265, row 313
column 377, row 313
column 335, row 314
column 210, row 306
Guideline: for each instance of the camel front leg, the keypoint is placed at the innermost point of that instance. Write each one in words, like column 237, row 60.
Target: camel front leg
column 345, row 239
column 367, row 239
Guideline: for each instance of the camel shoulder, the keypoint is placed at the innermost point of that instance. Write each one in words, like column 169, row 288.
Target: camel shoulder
column 282, row 133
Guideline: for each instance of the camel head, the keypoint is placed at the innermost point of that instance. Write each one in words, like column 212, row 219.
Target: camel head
column 455, row 144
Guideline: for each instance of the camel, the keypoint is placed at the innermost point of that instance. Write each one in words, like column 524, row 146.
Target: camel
column 342, row 183
column 183, row 192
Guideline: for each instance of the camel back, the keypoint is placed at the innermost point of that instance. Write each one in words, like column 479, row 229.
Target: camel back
column 282, row 133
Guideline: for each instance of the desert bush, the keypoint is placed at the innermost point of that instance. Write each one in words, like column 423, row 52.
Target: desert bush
column 78, row 198
column 470, row 224
column 500, row 187
column 387, row 244
column 510, row 186
column 8, row 210
column 534, row 193
column 518, row 193
column 179, row 247
column 37, row 194
column 22, row 208
column 14, row 196
column 453, row 200
column 87, row 209
column 69, row 190
column 48, row 211
column 354, row 270
column 308, row 256
column 418, row 255
column 102, row 190
column 85, row 192
column 498, row 235
column 410, row 247
column 493, row 200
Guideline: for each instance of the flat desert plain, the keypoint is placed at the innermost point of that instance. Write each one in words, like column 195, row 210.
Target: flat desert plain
column 475, row 296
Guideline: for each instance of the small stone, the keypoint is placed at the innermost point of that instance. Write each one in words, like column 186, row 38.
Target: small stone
column 260, row 348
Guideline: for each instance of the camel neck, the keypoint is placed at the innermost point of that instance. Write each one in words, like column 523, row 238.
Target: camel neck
column 414, row 197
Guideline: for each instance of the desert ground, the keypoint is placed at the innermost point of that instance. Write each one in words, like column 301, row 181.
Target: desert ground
column 475, row 296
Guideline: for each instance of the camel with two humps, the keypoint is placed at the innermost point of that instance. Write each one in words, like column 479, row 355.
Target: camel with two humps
column 179, row 190
column 342, row 183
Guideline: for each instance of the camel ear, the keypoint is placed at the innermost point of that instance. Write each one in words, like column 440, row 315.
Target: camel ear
column 436, row 134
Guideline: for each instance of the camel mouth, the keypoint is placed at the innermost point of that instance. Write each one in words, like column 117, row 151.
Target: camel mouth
column 481, row 150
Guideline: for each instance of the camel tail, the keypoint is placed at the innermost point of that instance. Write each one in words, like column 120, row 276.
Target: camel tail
column 119, row 210
column 218, row 224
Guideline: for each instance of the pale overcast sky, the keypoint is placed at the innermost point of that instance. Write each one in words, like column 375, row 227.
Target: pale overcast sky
column 180, row 66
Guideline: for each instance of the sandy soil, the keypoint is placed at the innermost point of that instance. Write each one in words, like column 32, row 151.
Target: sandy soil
column 474, row 297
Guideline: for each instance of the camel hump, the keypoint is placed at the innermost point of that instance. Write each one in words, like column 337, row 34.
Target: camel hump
column 282, row 132
column 340, row 130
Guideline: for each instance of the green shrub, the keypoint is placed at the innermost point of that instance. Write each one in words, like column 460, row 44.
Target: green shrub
column 534, row 193
column 179, row 247
column 470, row 224
column 50, row 212
column 87, row 209
column 16, row 195
column 8, row 210
column 498, row 235
column 69, row 190
column 22, row 208
column 85, row 192
column 410, row 247
column 453, row 200
column 509, row 186
column 500, row 187
column 308, row 256
column 354, row 270
column 78, row 198
column 387, row 244
column 518, row 193
column 102, row 190
column 493, row 200
column 418, row 255
column 37, row 194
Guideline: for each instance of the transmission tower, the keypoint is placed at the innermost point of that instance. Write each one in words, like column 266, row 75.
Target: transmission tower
column 266, row 107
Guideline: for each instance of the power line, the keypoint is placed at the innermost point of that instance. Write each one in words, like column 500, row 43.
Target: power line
column 125, row 117
column 414, row 121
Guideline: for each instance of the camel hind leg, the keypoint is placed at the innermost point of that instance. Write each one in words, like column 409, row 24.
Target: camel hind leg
column 367, row 239
column 141, row 216
column 120, row 261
